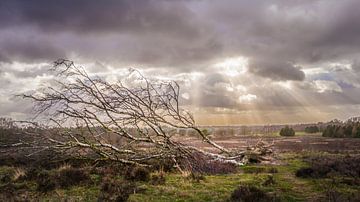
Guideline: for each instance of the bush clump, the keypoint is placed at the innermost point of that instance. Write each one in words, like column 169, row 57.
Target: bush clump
column 15, row 192
column 196, row 177
column 287, row 131
column 198, row 163
column 116, row 190
column 305, row 173
column 324, row 166
column 45, row 182
column 246, row 193
column 272, row 170
column 158, row 179
column 63, row 178
column 5, row 178
column 269, row 181
column 72, row 176
column 137, row 173
column 166, row 164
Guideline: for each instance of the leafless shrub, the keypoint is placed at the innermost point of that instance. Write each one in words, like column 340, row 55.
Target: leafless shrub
column 272, row 170
column 48, row 180
column 269, row 181
column 202, row 164
column 116, row 190
column 246, row 193
column 158, row 178
column 72, row 176
column 45, row 182
column 325, row 166
column 137, row 173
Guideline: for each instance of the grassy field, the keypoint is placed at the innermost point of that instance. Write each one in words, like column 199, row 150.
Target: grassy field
column 283, row 186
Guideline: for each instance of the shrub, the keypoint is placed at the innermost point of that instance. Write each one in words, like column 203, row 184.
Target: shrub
column 287, row 131
column 196, row 177
column 332, row 193
column 72, row 176
column 324, row 166
column 115, row 190
column 7, row 192
column 269, row 180
column 245, row 193
column 137, row 173
column 6, row 174
column 5, row 178
column 198, row 163
column 64, row 177
column 218, row 167
column 305, row 173
column 109, row 169
column 165, row 164
column 158, row 178
column 32, row 173
column 273, row 170
column 45, row 182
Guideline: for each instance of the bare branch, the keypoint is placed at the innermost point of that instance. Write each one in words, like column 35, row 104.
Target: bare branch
column 142, row 113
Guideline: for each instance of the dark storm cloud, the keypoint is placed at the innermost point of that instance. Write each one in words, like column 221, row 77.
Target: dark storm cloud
column 3, row 58
column 28, row 50
column 343, row 25
column 299, row 31
column 148, row 32
column 276, row 70
column 189, row 34
column 356, row 65
column 88, row 16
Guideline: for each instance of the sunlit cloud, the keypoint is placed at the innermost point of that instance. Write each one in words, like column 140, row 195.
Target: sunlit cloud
column 285, row 84
column 248, row 98
column 324, row 86
column 186, row 96
column 233, row 66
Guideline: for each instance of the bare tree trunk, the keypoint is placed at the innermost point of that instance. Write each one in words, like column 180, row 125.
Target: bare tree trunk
column 143, row 113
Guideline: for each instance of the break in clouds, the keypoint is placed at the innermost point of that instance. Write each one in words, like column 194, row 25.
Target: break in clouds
column 237, row 61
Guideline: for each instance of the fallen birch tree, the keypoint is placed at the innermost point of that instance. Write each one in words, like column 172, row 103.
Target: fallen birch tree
column 143, row 113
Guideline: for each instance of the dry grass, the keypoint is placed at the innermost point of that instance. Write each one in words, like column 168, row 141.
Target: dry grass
column 18, row 173
column 185, row 173
column 64, row 166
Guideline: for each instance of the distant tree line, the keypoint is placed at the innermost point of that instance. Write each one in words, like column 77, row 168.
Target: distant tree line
column 312, row 129
column 349, row 129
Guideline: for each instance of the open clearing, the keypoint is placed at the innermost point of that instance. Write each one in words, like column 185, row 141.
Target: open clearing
column 298, row 143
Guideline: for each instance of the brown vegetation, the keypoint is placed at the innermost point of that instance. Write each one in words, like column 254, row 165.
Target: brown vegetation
column 245, row 193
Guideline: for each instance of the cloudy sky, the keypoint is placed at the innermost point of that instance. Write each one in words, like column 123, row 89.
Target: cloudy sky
column 238, row 61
